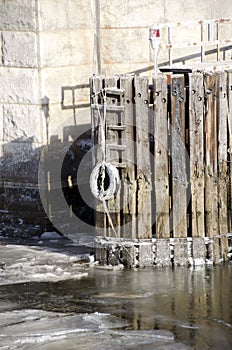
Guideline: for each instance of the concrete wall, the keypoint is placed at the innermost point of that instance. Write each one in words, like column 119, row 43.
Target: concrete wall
column 49, row 49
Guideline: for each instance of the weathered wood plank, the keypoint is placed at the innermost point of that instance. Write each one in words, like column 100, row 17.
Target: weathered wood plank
column 229, row 121
column 178, row 157
column 222, row 108
column 96, row 98
column 196, row 131
column 143, row 163
column 112, row 154
column 128, row 200
column 211, row 175
column 161, row 162
column 96, row 85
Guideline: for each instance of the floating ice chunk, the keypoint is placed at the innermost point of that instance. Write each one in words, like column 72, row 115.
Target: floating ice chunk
column 50, row 235
column 188, row 326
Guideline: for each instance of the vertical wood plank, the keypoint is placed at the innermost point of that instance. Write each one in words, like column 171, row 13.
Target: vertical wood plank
column 222, row 108
column 229, row 121
column 128, row 200
column 161, row 171
column 211, row 176
column 178, row 157
column 196, row 129
column 143, row 159
column 96, row 110
column 112, row 154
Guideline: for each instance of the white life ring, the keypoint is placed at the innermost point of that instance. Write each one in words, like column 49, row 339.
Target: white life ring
column 114, row 181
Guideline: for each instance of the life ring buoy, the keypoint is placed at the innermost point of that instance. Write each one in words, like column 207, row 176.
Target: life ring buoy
column 114, row 181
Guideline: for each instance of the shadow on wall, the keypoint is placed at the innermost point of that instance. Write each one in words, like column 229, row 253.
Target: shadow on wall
column 23, row 214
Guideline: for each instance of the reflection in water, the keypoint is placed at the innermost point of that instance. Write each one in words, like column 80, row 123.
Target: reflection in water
column 194, row 304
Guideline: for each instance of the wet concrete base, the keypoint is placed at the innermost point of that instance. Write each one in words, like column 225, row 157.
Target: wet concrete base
column 159, row 252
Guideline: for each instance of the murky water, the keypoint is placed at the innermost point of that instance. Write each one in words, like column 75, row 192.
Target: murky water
column 147, row 309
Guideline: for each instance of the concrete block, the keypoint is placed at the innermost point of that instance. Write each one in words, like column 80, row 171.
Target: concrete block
column 21, row 123
column 163, row 256
column 53, row 79
column 101, row 255
column 124, row 68
column 0, row 50
column 198, row 251
column 179, row 11
column 18, row 15
column 67, row 47
column 125, row 45
column 61, row 120
column 124, row 14
column 128, row 256
column 114, row 258
column 100, row 251
column 19, row 162
column 1, row 126
column 181, row 252
column 19, row 49
column 107, row 252
column 18, row 85
column 146, row 256
column 21, row 151
column 60, row 14
column 213, row 250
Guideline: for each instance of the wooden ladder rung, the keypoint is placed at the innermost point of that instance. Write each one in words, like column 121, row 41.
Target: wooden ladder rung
column 114, row 91
column 114, row 147
column 119, row 165
column 109, row 108
column 117, row 127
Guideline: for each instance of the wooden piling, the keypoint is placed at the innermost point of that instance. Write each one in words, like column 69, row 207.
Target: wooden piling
column 161, row 161
column 181, row 144
column 222, row 108
column 229, row 123
column 178, row 157
column 211, row 174
column 128, row 182
column 97, row 102
column 143, row 164
column 196, row 149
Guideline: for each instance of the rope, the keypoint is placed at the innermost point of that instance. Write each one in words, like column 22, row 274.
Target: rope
column 100, row 171
column 101, row 168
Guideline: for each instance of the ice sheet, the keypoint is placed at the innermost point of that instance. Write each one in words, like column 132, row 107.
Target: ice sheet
column 36, row 329
column 19, row 264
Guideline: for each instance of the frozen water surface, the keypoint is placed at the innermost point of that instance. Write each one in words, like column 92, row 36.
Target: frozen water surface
column 27, row 329
column 56, row 299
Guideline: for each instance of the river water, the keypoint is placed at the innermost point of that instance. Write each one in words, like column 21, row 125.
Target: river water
column 56, row 299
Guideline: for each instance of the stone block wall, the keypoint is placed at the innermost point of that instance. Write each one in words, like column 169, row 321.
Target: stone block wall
column 48, row 51
column 124, row 29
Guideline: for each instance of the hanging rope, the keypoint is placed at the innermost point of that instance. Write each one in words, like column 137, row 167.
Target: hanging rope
column 98, row 179
column 98, row 174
